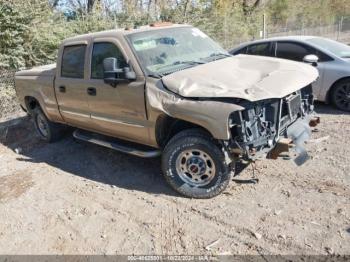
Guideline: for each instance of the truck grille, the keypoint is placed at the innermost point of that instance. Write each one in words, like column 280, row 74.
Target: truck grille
column 290, row 110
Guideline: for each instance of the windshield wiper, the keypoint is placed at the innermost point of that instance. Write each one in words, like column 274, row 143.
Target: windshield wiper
column 188, row 63
column 215, row 55
column 220, row 54
column 155, row 75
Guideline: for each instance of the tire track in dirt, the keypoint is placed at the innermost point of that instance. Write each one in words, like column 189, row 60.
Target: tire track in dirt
column 244, row 235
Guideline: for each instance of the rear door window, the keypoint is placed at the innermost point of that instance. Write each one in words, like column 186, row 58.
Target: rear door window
column 73, row 60
column 262, row 49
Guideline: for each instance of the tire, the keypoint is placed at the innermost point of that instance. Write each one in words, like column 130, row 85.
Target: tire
column 194, row 165
column 341, row 95
column 47, row 130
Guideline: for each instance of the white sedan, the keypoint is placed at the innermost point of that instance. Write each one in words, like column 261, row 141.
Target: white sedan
column 331, row 58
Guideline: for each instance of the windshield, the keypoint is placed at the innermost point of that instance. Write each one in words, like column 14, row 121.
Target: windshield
column 165, row 51
column 334, row 47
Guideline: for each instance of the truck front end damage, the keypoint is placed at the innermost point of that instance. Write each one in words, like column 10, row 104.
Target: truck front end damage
column 271, row 127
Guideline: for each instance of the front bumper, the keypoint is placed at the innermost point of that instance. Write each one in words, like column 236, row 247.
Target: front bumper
column 268, row 128
column 297, row 134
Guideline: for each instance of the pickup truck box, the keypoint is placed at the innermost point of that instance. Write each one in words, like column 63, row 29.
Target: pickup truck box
column 171, row 90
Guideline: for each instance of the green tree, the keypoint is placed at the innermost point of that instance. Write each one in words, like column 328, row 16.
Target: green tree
column 13, row 26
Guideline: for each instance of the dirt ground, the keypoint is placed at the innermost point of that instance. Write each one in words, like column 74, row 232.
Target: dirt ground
column 78, row 198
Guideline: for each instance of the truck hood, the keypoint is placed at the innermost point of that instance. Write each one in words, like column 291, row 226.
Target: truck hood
column 46, row 70
column 247, row 77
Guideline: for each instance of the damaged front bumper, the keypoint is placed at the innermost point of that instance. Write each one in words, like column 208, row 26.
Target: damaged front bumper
column 298, row 133
column 272, row 128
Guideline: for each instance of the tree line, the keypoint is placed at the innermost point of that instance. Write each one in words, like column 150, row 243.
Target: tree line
column 30, row 31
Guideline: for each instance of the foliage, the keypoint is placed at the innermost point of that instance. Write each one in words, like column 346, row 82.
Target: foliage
column 13, row 25
column 31, row 31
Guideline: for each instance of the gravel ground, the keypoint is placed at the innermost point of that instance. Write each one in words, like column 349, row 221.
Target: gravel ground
column 78, row 198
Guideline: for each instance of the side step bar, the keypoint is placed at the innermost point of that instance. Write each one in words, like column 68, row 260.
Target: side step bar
column 116, row 144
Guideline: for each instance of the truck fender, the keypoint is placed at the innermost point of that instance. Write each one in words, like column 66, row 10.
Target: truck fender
column 211, row 115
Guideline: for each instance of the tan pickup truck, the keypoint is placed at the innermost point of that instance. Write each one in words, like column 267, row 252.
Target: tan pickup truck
column 170, row 90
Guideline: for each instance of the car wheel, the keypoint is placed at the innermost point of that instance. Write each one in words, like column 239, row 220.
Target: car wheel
column 194, row 165
column 47, row 130
column 341, row 95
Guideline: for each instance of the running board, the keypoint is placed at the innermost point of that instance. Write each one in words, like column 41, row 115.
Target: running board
column 116, row 144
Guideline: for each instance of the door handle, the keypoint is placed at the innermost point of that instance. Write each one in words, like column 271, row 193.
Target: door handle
column 62, row 89
column 91, row 91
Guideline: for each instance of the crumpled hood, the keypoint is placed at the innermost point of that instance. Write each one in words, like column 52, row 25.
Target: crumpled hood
column 248, row 77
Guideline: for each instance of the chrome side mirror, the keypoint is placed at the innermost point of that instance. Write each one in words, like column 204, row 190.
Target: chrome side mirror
column 311, row 59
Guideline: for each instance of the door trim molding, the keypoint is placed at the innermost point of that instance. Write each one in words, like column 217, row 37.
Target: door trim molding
column 74, row 113
column 116, row 121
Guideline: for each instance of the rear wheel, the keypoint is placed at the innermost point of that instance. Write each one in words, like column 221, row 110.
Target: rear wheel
column 341, row 95
column 194, row 165
column 47, row 130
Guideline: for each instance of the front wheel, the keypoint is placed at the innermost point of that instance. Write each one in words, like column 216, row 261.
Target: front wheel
column 341, row 95
column 194, row 165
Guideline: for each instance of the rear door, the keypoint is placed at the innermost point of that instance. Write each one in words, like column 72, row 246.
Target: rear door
column 117, row 111
column 71, row 83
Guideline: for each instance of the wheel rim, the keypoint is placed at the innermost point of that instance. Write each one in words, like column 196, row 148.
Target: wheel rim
column 42, row 125
column 342, row 97
column 195, row 167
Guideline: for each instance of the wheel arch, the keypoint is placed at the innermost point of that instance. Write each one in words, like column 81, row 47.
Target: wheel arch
column 31, row 103
column 329, row 92
column 167, row 127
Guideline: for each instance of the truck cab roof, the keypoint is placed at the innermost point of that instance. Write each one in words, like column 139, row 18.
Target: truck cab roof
column 121, row 32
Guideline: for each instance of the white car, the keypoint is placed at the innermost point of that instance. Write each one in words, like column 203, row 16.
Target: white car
column 331, row 58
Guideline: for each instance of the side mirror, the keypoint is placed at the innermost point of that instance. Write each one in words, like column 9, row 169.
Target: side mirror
column 110, row 65
column 311, row 59
column 113, row 73
column 129, row 74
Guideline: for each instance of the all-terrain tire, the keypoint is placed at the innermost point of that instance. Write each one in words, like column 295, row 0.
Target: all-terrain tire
column 47, row 130
column 202, row 148
column 341, row 95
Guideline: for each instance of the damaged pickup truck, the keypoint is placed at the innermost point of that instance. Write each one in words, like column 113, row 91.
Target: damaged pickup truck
column 170, row 90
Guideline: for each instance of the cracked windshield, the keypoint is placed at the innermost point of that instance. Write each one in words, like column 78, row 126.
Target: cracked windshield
column 165, row 51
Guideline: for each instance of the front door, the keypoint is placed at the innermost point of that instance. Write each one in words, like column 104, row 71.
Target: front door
column 118, row 111
column 297, row 51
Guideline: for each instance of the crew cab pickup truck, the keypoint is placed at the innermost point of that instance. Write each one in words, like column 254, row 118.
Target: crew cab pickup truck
column 171, row 90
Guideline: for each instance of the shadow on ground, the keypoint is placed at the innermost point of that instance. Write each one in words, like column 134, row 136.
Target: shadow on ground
column 323, row 108
column 83, row 159
column 94, row 162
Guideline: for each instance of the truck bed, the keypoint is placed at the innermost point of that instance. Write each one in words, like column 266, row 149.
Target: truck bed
column 38, row 83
